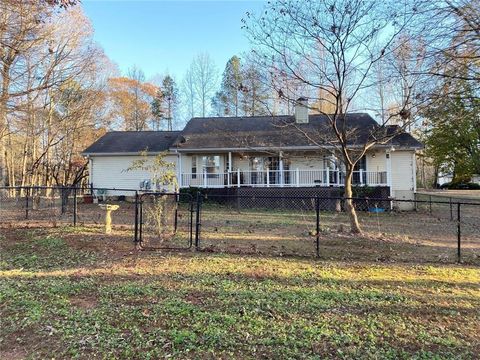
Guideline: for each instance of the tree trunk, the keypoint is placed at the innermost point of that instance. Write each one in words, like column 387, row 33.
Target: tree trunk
column 352, row 214
column 3, row 132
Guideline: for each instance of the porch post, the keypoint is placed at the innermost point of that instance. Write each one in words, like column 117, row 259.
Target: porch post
column 268, row 177
column 280, row 167
column 388, row 160
column 204, row 179
column 361, row 176
column 238, row 177
column 179, row 170
column 297, row 177
column 328, row 176
column 229, row 170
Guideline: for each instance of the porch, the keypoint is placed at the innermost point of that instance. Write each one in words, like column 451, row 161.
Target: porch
column 285, row 170
column 285, row 178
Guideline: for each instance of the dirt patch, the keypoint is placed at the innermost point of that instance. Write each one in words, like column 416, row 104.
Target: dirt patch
column 13, row 354
column 84, row 302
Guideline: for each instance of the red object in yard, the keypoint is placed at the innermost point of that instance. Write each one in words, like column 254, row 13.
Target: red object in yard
column 87, row 199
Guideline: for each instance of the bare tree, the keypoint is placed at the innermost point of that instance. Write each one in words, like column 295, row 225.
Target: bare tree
column 50, row 92
column 205, row 76
column 332, row 47
column 188, row 93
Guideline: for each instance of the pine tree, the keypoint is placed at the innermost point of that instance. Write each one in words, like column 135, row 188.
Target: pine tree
column 170, row 99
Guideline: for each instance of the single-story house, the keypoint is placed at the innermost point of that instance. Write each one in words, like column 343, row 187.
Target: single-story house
column 257, row 152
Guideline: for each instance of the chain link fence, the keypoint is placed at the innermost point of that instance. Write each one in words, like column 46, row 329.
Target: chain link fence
column 426, row 229
column 392, row 230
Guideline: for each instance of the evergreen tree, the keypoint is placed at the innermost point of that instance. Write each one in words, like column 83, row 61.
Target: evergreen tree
column 231, row 87
column 170, row 99
column 453, row 134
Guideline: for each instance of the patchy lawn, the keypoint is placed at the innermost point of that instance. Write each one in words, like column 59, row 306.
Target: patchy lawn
column 76, row 294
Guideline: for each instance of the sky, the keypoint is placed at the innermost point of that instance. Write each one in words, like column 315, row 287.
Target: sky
column 164, row 36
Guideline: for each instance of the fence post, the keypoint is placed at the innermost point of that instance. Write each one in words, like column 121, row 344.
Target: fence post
column 317, row 211
column 75, row 207
column 135, row 239
column 26, row 202
column 459, row 233
column 197, row 221
column 451, row 209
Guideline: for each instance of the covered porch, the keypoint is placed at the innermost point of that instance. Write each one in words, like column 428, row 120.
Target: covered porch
column 294, row 169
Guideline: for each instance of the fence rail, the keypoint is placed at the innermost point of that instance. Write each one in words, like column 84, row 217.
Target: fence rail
column 441, row 229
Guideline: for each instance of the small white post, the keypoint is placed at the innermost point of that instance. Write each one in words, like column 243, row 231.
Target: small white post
column 238, row 177
column 204, row 179
column 361, row 176
column 328, row 176
column 297, row 176
column 180, row 171
column 268, row 177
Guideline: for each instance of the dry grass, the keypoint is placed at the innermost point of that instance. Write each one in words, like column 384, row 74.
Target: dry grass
column 77, row 293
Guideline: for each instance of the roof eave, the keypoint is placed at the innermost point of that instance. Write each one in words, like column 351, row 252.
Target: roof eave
column 138, row 153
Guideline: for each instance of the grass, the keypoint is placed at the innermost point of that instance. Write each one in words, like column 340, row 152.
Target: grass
column 66, row 294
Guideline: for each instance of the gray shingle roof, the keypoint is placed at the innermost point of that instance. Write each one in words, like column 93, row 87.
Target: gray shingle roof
column 255, row 132
column 132, row 142
column 277, row 132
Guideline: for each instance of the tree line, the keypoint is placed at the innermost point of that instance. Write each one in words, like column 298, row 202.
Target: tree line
column 410, row 63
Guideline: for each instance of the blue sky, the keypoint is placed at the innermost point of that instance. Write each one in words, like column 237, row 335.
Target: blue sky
column 164, row 36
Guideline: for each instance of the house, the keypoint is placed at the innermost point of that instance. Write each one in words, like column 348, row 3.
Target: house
column 258, row 152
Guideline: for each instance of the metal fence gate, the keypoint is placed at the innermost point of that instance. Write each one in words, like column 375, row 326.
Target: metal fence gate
column 166, row 221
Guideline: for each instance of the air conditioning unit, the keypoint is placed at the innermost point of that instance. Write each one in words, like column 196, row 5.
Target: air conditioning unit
column 145, row 185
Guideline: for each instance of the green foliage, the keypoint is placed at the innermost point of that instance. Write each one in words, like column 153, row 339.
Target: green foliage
column 453, row 138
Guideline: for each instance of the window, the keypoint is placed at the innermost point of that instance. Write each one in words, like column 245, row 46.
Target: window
column 360, row 165
column 194, row 166
column 209, row 164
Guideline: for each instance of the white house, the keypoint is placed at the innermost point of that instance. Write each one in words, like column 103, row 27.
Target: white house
column 257, row 152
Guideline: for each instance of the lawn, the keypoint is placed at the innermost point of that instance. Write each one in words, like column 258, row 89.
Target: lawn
column 72, row 293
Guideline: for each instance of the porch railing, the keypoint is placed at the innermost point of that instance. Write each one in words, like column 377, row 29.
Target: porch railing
column 277, row 178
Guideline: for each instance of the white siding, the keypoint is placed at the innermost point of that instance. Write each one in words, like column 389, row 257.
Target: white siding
column 377, row 163
column 313, row 162
column 112, row 172
column 402, row 171
column 403, row 182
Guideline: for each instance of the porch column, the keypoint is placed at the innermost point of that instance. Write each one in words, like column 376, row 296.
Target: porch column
column 229, row 170
column 388, row 160
column 179, row 170
column 280, row 168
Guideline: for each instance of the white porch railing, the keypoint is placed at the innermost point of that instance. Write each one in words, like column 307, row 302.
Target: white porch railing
column 277, row 178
